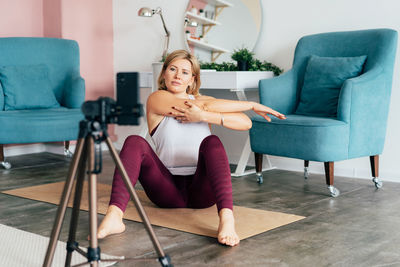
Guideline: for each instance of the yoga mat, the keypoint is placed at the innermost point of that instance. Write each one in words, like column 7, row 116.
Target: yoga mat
column 249, row 222
column 21, row 249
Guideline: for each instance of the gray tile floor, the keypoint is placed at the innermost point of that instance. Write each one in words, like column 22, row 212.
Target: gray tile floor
column 359, row 228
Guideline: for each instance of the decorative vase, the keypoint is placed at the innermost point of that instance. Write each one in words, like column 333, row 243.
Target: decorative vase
column 242, row 65
column 194, row 10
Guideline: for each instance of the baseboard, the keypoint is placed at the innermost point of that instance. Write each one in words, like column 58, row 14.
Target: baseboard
column 24, row 149
column 54, row 148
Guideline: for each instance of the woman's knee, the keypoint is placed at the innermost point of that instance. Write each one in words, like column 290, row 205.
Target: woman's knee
column 211, row 141
column 135, row 142
column 134, row 139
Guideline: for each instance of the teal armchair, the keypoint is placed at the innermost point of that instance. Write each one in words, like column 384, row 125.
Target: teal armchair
column 336, row 98
column 41, row 91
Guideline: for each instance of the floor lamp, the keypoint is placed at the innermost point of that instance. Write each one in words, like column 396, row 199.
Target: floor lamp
column 148, row 12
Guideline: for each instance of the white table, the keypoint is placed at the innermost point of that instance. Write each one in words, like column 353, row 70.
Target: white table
column 234, row 81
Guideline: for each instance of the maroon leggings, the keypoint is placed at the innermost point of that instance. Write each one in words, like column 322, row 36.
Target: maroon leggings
column 210, row 184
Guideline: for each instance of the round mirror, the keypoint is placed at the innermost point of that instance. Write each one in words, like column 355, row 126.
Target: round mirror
column 214, row 28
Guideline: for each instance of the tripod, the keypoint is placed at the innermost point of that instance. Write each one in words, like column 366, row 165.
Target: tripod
column 87, row 152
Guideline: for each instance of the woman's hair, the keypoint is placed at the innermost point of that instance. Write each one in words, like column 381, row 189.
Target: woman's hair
column 182, row 54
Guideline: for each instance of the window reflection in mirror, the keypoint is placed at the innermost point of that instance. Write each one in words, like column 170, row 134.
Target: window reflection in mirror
column 236, row 24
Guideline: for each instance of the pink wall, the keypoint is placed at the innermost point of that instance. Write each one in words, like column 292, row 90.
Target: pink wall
column 52, row 18
column 90, row 23
column 21, row 18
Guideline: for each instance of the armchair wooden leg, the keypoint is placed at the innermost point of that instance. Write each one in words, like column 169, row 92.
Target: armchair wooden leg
column 306, row 164
column 1, row 153
column 374, row 160
column 6, row 165
column 329, row 174
column 67, row 152
column 259, row 158
column 374, row 165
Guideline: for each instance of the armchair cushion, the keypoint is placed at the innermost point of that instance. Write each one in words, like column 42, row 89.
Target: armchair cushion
column 323, row 79
column 39, row 125
column 301, row 137
column 27, row 87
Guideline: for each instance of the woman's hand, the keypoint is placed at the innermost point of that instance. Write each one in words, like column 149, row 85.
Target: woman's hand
column 192, row 113
column 264, row 110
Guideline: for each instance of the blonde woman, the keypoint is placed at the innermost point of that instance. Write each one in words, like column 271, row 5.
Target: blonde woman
column 189, row 167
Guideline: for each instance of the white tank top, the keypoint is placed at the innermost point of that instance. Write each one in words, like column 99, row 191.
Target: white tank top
column 177, row 144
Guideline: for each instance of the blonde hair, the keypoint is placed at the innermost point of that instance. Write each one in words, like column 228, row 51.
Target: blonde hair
column 182, row 54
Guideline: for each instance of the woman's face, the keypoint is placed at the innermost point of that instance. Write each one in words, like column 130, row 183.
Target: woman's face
column 178, row 76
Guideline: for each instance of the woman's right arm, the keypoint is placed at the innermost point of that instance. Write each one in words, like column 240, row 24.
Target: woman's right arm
column 159, row 105
column 161, row 102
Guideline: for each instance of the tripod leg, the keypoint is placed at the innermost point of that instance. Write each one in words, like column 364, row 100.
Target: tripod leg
column 136, row 201
column 93, row 253
column 72, row 244
column 55, row 233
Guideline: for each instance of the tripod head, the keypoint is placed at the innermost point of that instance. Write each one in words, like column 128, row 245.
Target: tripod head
column 106, row 110
column 99, row 114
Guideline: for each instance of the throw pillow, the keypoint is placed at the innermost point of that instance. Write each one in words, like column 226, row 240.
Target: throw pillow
column 27, row 87
column 323, row 79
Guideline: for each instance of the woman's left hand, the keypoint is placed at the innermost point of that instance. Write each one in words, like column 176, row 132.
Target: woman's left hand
column 264, row 110
column 192, row 113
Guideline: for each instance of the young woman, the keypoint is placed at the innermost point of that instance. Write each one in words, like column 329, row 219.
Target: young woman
column 189, row 167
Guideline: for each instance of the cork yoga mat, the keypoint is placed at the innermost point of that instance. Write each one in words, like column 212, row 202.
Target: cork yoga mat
column 249, row 222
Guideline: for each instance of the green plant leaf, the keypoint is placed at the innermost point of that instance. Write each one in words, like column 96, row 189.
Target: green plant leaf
column 242, row 54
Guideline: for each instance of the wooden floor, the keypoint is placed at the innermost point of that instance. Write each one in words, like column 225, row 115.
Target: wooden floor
column 359, row 228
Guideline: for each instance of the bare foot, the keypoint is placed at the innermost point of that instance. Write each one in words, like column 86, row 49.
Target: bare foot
column 226, row 229
column 112, row 222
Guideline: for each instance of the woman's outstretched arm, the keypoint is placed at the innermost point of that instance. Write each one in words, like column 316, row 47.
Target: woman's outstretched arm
column 223, row 105
column 222, row 112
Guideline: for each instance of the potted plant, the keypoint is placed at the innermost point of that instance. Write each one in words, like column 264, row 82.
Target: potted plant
column 243, row 57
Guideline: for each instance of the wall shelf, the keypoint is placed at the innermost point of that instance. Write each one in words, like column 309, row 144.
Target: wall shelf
column 212, row 48
column 202, row 20
column 206, row 25
column 215, row 50
column 218, row 3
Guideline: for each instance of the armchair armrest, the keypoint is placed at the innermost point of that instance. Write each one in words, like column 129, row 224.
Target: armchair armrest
column 280, row 92
column 74, row 92
column 360, row 96
column 364, row 104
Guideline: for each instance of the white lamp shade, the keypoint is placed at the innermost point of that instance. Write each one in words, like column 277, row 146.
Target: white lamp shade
column 145, row 12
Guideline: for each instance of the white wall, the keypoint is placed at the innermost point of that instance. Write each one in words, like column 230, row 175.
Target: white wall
column 138, row 42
